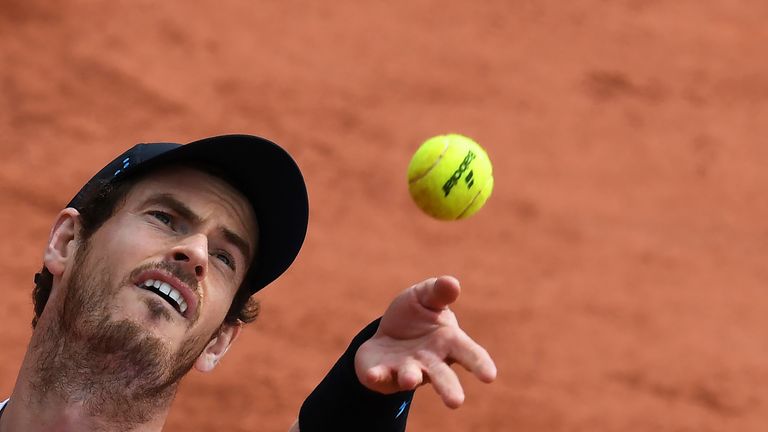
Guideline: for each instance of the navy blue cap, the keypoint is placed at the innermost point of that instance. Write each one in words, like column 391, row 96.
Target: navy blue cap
column 260, row 169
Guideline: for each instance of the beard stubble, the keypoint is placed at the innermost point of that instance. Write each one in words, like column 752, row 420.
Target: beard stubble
column 117, row 370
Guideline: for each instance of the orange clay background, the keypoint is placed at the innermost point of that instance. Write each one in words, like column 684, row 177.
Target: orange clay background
column 617, row 275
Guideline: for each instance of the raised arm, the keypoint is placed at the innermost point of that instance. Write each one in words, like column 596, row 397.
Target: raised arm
column 416, row 341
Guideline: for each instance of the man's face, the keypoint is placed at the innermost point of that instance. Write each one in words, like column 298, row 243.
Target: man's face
column 144, row 298
column 169, row 260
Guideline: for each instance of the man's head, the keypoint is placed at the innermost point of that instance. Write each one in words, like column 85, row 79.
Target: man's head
column 101, row 205
column 263, row 172
column 162, row 250
column 170, row 259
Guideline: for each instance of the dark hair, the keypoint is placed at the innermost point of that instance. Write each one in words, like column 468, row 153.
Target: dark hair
column 96, row 210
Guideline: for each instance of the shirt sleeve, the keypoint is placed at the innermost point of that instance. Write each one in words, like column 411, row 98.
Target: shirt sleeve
column 340, row 402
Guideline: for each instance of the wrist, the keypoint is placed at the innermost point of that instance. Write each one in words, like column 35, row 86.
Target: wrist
column 342, row 402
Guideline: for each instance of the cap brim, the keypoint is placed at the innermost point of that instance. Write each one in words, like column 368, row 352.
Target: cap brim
column 271, row 180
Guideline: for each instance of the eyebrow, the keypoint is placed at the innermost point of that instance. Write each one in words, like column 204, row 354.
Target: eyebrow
column 187, row 213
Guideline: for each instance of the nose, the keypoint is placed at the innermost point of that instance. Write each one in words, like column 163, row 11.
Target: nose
column 192, row 254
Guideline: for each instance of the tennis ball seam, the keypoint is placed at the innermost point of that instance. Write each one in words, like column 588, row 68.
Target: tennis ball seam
column 480, row 191
column 434, row 164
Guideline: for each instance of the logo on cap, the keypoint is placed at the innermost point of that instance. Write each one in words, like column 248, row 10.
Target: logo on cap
column 126, row 163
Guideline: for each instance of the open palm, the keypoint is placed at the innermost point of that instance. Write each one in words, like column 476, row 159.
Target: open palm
column 417, row 341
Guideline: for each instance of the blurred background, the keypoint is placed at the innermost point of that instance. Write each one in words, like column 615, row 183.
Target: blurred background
column 617, row 275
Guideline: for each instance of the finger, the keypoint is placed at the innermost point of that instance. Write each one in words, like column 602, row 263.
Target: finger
column 446, row 384
column 438, row 293
column 379, row 379
column 409, row 375
column 377, row 375
column 473, row 357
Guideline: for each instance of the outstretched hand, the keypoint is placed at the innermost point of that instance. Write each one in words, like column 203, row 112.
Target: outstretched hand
column 417, row 341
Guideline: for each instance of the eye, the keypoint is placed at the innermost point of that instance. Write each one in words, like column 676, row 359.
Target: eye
column 162, row 216
column 225, row 258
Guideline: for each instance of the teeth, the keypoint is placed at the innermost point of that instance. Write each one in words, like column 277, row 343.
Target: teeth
column 174, row 294
column 168, row 290
column 164, row 288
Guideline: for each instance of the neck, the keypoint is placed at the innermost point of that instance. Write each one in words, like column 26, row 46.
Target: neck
column 64, row 386
column 64, row 417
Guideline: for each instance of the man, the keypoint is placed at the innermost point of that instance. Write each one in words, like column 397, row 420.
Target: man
column 150, row 271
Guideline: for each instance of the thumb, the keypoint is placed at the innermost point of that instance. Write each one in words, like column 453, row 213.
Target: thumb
column 438, row 293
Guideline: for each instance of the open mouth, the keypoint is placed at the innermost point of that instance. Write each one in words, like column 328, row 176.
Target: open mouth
column 167, row 293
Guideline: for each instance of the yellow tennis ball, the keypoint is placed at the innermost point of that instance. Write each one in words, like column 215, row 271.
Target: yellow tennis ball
column 450, row 177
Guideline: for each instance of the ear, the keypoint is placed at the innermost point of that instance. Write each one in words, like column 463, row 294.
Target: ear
column 62, row 241
column 217, row 347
